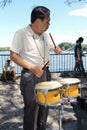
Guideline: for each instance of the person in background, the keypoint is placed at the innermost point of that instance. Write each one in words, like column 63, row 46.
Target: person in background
column 30, row 49
column 78, row 53
column 9, row 71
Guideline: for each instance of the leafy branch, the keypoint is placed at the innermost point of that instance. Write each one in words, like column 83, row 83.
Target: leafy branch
column 4, row 2
column 69, row 2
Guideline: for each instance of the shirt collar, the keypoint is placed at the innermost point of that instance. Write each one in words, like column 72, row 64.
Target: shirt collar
column 33, row 34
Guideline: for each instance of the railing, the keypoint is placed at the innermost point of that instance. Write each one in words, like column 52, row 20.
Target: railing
column 64, row 62
column 3, row 59
column 58, row 63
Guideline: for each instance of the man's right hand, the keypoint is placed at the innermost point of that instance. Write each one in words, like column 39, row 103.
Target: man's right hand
column 37, row 70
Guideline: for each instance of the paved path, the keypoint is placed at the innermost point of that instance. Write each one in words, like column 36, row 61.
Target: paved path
column 11, row 110
column 11, row 105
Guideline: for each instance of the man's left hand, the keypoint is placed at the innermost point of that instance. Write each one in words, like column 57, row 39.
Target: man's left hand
column 57, row 50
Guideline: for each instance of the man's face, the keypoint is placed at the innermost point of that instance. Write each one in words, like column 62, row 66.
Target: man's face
column 44, row 24
column 8, row 61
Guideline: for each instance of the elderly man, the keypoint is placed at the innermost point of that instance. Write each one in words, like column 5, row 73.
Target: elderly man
column 9, row 71
column 30, row 49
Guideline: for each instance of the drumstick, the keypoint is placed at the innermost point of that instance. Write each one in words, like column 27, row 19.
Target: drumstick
column 43, row 68
column 52, row 40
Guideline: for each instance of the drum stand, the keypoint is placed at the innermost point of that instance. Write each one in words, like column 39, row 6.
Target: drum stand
column 60, row 115
column 56, row 106
column 68, row 97
column 59, row 108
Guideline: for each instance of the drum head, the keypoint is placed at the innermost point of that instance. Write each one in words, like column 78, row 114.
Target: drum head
column 70, row 81
column 48, row 85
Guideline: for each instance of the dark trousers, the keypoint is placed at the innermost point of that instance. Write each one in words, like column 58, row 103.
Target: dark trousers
column 27, row 86
column 42, row 117
column 79, row 67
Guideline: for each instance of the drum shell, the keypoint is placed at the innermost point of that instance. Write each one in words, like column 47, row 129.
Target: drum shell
column 70, row 90
column 70, row 86
column 48, row 92
column 50, row 97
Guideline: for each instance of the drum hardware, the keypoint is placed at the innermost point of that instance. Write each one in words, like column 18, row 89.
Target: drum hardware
column 68, row 97
column 59, row 108
column 65, row 100
column 62, row 91
column 60, row 116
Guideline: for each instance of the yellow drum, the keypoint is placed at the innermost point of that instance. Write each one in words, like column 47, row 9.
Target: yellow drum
column 48, row 92
column 70, row 86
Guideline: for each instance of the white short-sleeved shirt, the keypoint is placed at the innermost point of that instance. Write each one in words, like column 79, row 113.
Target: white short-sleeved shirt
column 9, row 67
column 32, row 47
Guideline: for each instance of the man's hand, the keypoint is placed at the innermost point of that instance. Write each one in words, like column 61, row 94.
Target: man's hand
column 57, row 50
column 37, row 70
column 83, row 55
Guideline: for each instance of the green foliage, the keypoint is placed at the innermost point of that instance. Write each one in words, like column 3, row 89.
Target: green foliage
column 4, row 2
column 69, row 2
column 4, row 48
column 66, row 45
column 84, row 46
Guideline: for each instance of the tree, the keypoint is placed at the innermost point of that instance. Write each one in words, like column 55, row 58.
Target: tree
column 69, row 2
column 4, row 2
column 84, row 46
column 66, row 45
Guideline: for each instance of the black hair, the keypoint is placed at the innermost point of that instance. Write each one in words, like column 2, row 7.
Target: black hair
column 80, row 39
column 39, row 12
